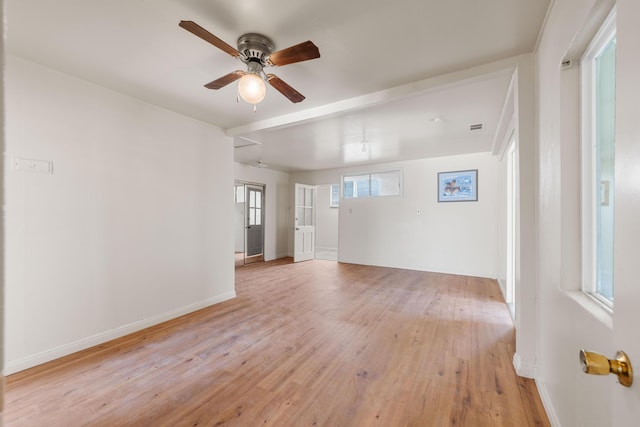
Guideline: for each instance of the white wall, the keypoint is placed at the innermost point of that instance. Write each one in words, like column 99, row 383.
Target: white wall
column 240, row 215
column 456, row 238
column 131, row 228
column 567, row 320
column 276, row 205
column 501, row 212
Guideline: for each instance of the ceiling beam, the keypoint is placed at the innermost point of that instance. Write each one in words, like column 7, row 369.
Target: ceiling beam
column 478, row 73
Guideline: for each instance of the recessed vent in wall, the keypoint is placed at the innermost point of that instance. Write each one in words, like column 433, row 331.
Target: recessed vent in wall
column 475, row 127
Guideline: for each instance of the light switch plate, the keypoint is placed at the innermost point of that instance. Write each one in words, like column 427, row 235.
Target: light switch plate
column 29, row 165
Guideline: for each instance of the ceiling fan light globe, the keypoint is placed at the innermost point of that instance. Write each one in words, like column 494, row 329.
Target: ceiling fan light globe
column 252, row 88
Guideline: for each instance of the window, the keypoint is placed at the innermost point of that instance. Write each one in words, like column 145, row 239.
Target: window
column 255, row 207
column 334, row 197
column 371, row 184
column 598, row 149
column 239, row 193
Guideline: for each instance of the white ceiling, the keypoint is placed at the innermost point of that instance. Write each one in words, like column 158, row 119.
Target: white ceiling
column 408, row 76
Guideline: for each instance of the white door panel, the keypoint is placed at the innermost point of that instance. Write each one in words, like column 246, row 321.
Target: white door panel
column 304, row 223
column 626, row 313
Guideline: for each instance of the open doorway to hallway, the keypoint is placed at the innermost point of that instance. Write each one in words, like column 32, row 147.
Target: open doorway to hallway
column 249, row 222
column 327, row 209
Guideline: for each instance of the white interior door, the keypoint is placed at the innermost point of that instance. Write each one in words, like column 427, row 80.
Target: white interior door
column 626, row 312
column 304, row 223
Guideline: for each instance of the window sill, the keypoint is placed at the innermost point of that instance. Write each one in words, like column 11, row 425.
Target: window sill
column 603, row 314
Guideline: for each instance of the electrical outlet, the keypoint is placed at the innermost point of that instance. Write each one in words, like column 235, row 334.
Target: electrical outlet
column 418, row 213
column 28, row 165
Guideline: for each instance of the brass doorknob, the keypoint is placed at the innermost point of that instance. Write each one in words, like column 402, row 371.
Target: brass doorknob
column 597, row 364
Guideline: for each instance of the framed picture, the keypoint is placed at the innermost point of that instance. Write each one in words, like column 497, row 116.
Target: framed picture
column 458, row 186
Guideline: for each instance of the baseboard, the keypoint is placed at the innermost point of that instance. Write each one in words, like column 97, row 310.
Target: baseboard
column 529, row 371
column 548, row 405
column 503, row 288
column 48, row 355
column 322, row 248
column 523, row 369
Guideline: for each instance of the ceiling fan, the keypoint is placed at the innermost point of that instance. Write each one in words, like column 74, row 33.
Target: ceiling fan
column 256, row 51
column 259, row 164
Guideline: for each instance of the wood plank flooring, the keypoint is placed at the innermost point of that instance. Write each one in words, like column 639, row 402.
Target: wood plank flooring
column 317, row 343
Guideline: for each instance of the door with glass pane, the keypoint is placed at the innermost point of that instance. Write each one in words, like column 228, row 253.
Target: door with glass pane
column 255, row 220
column 304, row 234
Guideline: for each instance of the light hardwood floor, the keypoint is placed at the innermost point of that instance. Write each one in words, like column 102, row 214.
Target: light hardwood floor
column 311, row 344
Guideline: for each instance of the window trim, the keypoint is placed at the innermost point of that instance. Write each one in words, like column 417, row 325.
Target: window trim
column 333, row 202
column 589, row 193
column 372, row 172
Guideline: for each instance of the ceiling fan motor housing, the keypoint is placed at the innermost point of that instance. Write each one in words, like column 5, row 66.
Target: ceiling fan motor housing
column 255, row 48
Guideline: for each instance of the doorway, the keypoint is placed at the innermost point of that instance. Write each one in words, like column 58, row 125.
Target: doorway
column 249, row 222
column 304, row 223
column 327, row 216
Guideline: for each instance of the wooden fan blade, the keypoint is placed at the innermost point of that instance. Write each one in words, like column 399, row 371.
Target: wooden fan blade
column 298, row 53
column 225, row 80
column 208, row 37
column 279, row 85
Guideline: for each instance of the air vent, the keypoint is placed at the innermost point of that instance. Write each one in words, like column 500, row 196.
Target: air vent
column 475, row 127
